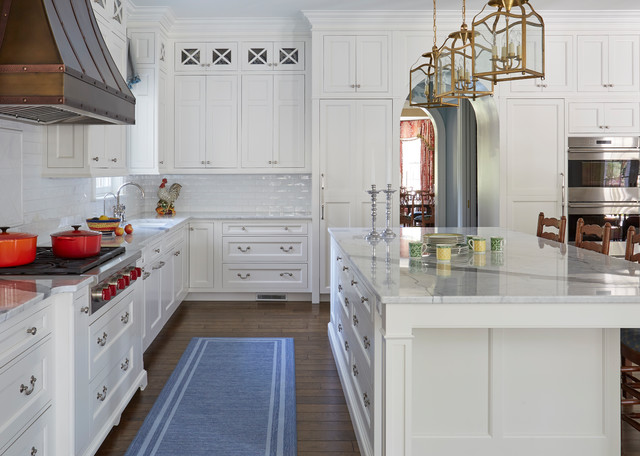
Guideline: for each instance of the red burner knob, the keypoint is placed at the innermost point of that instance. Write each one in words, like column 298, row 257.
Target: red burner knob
column 127, row 280
column 112, row 289
column 133, row 274
column 121, row 284
column 106, row 293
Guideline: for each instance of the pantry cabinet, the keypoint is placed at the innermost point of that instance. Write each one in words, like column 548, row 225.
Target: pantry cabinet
column 355, row 64
column 608, row 63
column 273, row 126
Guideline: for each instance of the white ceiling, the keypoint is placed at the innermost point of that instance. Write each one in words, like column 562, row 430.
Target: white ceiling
column 293, row 8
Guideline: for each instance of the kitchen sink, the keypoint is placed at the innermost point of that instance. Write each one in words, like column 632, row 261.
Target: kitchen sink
column 148, row 223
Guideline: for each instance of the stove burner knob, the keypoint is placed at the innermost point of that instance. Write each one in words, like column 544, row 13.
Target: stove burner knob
column 127, row 280
column 112, row 289
column 121, row 284
column 106, row 293
column 133, row 274
column 138, row 272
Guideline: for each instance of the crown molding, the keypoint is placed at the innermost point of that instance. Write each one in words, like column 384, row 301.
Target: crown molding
column 145, row 16
column 245, row 26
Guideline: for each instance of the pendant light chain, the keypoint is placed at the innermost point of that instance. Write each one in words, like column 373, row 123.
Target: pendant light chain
column 464, row 11
column 434, row 24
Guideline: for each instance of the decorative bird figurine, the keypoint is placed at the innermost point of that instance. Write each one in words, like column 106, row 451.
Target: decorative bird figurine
column 167, row 198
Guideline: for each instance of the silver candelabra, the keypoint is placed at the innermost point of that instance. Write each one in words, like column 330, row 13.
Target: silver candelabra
column 373, row 234
column 388, row 232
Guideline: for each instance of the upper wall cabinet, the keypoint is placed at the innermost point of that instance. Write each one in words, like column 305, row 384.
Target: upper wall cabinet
column 559, row 73
column 355, row 64
column 206, row 57
column 603, row 118
column 273, row 55
column 608, row 63
column 113, row 11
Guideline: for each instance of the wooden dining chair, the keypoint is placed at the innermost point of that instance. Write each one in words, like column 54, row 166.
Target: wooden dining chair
column 585, row 235
column 406, row 207
column 632, row 240
column 550, row 222
column 629, row 383
column 424, row 208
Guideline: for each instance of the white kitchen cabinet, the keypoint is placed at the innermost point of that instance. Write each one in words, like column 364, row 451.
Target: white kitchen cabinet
column 608, row 63
column 273, row 126
column 113, row 12
column 559, row 70
column 201, row 262
column 603, row 118
column 202, row 57
column 206, row 121
column 273, row 56
column 535, row 159
column 355, row 64
column 355, row 140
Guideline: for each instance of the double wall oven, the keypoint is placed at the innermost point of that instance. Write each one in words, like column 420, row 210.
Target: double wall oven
column 603, row 185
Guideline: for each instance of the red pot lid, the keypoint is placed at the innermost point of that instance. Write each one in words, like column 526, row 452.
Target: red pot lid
column 76, row 233
column 14, row 236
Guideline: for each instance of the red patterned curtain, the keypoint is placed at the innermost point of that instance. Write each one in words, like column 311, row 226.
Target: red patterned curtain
column 422, row 129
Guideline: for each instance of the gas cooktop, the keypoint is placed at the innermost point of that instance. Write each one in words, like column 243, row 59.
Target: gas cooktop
column 46, row 263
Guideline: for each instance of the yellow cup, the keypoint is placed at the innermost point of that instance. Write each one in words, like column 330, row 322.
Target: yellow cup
column 478, row 244
column 443, row 252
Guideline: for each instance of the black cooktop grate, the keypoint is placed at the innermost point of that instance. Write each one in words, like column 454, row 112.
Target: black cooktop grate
column 46, row 263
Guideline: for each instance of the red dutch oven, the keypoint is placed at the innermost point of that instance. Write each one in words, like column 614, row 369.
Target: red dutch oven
column 16, row 249
column 76, row 243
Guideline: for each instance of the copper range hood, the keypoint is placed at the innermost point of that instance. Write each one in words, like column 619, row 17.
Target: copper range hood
column 55, row 66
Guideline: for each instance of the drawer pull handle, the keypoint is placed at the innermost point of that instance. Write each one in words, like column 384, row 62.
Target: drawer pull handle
column 26, row 389
column 345, row 268
column 244, row 228
column 355, row 320
column 339, row 258
column 346, row 302
column 365, row 400
column 367, row 342
column 103, row 340
column 177, row 253
column 84, row 310
column 102, row 396
column 353, row 282
column 245, row 277
column 363, row 299
column 146, row 275
column 287, row 250
column 34, row 450
column 125, row 318
column 339, row 327
column 340, row 287
column 346, row 345
column 124, row 366
column 156, row 250
column 355, row 370
column 244, row 250
column 159, row 266
column 32, row 331
column 288, row 274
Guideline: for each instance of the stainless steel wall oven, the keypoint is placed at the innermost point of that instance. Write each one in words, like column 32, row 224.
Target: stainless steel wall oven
column 603, row 176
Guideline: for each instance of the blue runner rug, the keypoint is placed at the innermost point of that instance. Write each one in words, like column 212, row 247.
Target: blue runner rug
column 226, row 397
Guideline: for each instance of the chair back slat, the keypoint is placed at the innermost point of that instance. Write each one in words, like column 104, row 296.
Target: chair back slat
column 602, row 232
column 632, row 240
column 551, row 222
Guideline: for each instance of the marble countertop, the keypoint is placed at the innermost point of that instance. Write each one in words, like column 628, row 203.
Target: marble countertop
column 530, row 269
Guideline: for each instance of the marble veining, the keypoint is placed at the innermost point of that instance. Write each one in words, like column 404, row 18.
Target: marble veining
column 529, row 270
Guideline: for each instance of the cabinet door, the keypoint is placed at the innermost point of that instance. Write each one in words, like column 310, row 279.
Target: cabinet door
column 222, row 56
column 621, row 118
column 168, row 297
column 201, row 255
column 190, row 121
column 534, row 162
column 623, row 63
column 339, row 64
column 288, row 55
column 163, row 120
column 143, row 155
column 180, row 266
column 257, row 56
column 558, row 68
column 257, row 121
column 586, row 118
column 288, row 120
column 152, row 303
column 222, row 122
column 190, row 57
column 593, row 63
column 372, row 64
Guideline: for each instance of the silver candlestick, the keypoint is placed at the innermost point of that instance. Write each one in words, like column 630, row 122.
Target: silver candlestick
column 388, row 232
column 373, row 234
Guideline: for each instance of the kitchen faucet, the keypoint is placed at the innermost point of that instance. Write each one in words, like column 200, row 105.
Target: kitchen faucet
column 104, row 203
column 118, row 211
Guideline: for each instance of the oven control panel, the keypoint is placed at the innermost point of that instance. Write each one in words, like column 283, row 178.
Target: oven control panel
column 110, row 287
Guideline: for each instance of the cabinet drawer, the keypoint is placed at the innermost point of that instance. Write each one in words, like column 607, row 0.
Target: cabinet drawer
column 344, row 340
column 360, row 368
column 266, row 228
column 172, row 239
column 38, row 439
column 111, row 386
column 26, row 386
column 152, row 252
column 110, row 334
column 265, row 249
column 364, row 399
column 362, row 327
column 23, row 331
column 244, row 277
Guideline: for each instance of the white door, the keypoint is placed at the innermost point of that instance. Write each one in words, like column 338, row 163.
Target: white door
column 621, row 118
column 339, row 64
column 222, row 122
column 190, row 121
column 257, row 121
column 558, row 72
column 201, row 255
column 152, row 304
column 288, row 121
column 534, row 161
column 288, row 55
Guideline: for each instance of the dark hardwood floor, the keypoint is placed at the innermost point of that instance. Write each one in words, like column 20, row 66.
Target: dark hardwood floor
column 324, row 426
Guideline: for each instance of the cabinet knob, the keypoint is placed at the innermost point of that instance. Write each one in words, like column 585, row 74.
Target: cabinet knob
column 34, row 451
column 177, row 253
column 125, row 318
column 102, row 340
column 202, row 162
column 115, row 160
column 124, row 366
column 156, row 250
column 208, row 162
column 355, row 370
column 32, row 331
column 358, row 86
column 161, row 162
column 102, row 396
column 269, row 64
column 353, row 86
column 96, row 159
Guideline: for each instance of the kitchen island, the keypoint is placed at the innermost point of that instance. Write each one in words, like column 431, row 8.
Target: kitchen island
column 512, row 353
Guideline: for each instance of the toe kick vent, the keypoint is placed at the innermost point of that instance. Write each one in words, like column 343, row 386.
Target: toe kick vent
column 271, row 297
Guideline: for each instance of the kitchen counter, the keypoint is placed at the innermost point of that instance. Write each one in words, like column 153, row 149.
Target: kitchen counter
column 488, row 354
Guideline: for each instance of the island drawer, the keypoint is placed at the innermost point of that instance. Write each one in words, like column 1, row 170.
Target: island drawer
column 360, row 364
column 340, row 330
column 263, row 228
column 261, row 277
column 38, row 439
column 268, row 249
column 365, row 405
column 23, row 331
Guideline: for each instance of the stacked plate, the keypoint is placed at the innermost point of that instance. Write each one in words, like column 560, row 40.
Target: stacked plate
column 457, row 242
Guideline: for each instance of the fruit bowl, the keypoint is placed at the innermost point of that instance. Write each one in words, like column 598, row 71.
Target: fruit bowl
column 105, row 226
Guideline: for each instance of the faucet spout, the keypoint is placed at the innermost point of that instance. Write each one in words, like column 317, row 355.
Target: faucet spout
column 104, row 203
column 119, row 209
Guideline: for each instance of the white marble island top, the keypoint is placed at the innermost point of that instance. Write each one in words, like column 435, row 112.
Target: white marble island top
column 531, row 272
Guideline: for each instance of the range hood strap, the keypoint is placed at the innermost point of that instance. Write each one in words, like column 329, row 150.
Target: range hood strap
column 6, row 7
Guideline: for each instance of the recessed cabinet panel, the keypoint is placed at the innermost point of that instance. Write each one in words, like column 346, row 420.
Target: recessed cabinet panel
column 593, row 71
column 339, row 66
column 288, row 118
column 222, row 121
column 559, row 72
column 604, row 118
column 142, row 135
column 608, row 63
column 276, row 56
column 201, row 255
column 257, row 121
column 623, row 63
column 372, row 69
column 222, row 56
column 190, row 110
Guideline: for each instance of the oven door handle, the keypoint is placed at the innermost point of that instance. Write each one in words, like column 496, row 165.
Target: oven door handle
column 606, row 204
column 573, row 155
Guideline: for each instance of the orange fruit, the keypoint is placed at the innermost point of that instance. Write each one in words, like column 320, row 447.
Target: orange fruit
column 128, row 229
column 119, row 231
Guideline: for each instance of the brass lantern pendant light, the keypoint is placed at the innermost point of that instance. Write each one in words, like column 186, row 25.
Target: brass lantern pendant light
column 423, row 78
column 454, row 68
column 508, row 43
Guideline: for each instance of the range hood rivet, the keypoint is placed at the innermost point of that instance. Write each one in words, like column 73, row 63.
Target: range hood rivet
column 24, row 100
column 24, row 68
